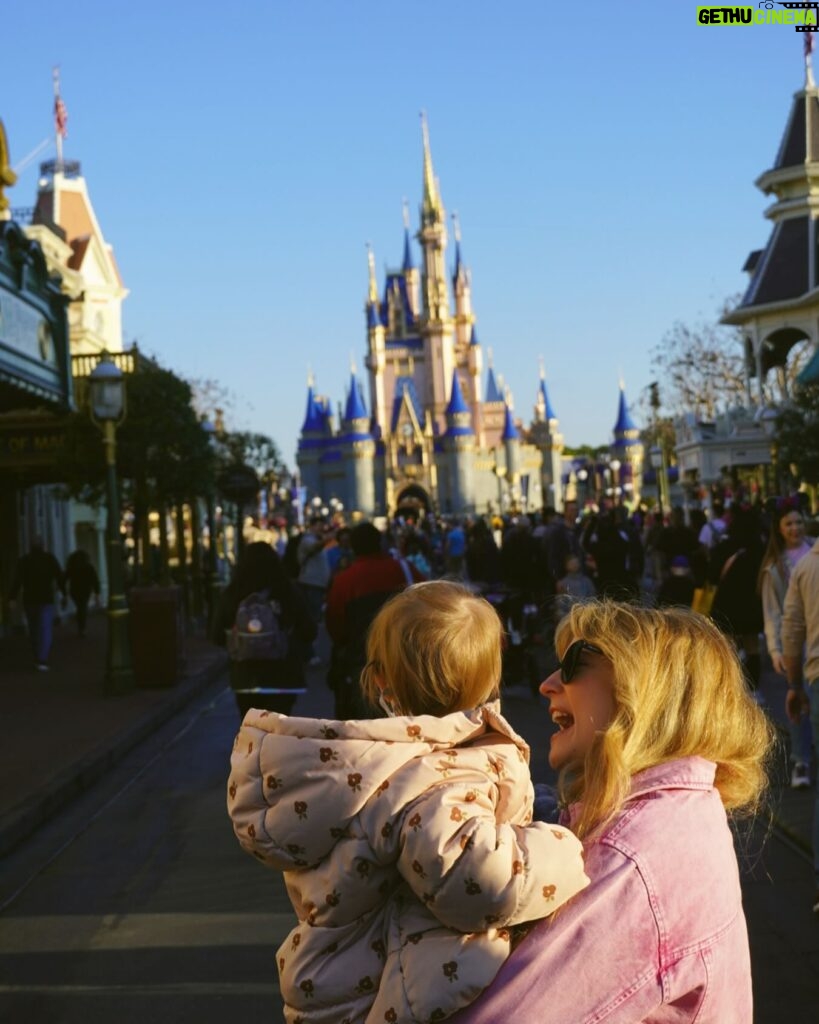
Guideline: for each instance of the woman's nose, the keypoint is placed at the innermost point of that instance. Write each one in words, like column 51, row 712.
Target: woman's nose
column 551, row 684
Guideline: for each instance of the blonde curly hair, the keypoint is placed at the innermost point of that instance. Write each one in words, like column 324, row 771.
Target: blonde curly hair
column 436, row 648
column 678, row 691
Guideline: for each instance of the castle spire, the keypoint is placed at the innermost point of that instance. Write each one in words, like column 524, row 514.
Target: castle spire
column 373, row 293
column 432, row 201
column 407, row 263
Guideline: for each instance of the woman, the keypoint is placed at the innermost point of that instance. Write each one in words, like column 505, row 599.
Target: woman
column 658, row 742
column 266, row 674
column 786, row 547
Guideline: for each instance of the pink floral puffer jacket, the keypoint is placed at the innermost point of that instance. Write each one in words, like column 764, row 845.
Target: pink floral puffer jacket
column 408, row 851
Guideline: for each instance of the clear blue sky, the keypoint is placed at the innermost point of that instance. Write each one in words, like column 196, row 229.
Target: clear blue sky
column 601, row 158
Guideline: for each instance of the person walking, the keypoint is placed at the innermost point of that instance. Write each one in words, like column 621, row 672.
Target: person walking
column 314, row 574
column 737, row 607
column 266, row 625
column 786, row 549
column 355, row 596
column 800, row 652
column 82, row 580
column 39, row 576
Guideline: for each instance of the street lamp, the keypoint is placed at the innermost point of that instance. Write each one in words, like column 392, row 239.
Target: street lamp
column 213, row 586
column 107, row 406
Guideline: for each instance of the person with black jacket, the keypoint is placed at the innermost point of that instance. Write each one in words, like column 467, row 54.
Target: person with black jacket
column 271, row 684
column 39, row 576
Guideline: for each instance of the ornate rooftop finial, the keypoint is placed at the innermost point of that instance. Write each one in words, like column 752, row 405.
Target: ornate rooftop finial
column 7, row 175
column 373, row 292
column 352, row 363
column 809, row 82
column 456, row 226
column 405, row 212
column 542, row 367
column 489, row 358
column 431, row 200
column 311, row 380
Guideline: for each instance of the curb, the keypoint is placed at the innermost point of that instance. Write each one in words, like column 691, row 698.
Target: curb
column 24, row 819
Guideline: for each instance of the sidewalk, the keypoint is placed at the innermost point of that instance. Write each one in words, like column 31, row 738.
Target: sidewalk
column 59, row 733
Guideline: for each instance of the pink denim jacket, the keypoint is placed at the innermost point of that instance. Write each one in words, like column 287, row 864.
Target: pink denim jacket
column 658, row 936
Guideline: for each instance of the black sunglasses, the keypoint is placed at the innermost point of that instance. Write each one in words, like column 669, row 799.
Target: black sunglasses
column 571, row 659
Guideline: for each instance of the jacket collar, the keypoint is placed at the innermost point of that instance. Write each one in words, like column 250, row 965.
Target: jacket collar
column 682, row 773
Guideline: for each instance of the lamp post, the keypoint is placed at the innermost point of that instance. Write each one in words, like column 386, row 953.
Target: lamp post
column 766, row 417
column 107, row 406
column 212, row 572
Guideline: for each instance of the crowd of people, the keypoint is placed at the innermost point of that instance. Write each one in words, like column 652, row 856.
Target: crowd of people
column 406, row 838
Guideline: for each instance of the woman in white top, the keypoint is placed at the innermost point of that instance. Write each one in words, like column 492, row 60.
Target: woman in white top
column 786, row 546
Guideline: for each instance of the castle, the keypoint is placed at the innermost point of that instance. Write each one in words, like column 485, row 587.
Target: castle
column 428, row 436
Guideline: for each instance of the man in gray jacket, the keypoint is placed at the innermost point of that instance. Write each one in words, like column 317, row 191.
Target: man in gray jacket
column 800, row 633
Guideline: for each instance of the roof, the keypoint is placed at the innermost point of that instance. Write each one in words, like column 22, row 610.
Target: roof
column 473, row 337
column 407, row 263
column 314, row 417
column 782, row 270
column 373, row 315
column 405, row 385
column 457, row 403
column 797, row 146
column 398, row 278
column 624, row 421
column 356, row 410
column 510, row 431
column 550, row 413
column 492, row 392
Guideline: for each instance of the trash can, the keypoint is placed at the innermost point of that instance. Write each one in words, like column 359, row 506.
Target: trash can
column 157, row 635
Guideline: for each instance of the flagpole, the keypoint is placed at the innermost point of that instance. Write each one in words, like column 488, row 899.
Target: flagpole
column 809, row 82
column 57, row 133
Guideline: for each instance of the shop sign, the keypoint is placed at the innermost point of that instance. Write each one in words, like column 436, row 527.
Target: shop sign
column 31, row 446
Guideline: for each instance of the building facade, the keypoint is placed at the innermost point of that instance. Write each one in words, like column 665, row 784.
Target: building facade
column 424, row 427
column 60, row 306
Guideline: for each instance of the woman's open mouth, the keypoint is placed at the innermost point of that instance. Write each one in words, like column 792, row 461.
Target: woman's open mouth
column 562, row 719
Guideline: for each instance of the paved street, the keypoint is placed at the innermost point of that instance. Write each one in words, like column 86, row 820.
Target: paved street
column 137, row 904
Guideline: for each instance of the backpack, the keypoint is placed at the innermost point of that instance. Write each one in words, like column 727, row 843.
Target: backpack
column 257, row 633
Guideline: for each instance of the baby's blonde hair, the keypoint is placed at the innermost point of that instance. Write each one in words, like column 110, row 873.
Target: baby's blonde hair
column 436, row 647
column 678, row 691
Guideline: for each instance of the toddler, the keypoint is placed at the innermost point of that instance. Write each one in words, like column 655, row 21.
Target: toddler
column 406, row 842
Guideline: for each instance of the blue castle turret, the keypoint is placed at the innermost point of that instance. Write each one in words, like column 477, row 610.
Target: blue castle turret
column 459, row 446
column 627, row 449
column 358, row 451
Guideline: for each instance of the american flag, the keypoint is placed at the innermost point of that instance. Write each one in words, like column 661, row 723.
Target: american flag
column 60, row 117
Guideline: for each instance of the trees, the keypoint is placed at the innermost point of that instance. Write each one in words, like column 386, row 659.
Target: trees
column 701, row 368
column 797, row 433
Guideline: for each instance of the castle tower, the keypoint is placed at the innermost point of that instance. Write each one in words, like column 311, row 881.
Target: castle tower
column 358, row 449
column 627, row 448
column 474, row 364
column 408, row 265
column 545, row 435
column 511, row 444
column 376, row 359
column 462, row 289
column 459, row 446
column 311, row 442
column 436, row 325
